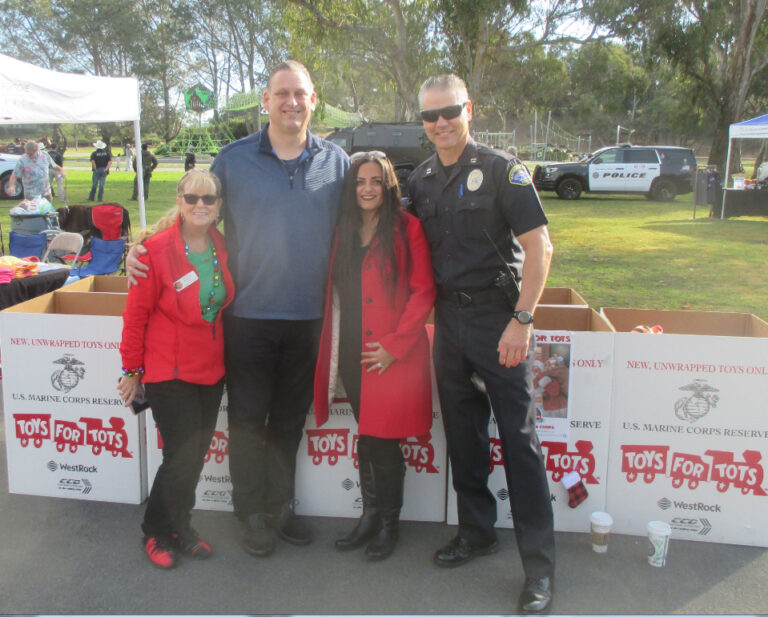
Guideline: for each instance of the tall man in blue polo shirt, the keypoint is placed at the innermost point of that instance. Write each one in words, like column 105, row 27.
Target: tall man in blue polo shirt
column 281, row 188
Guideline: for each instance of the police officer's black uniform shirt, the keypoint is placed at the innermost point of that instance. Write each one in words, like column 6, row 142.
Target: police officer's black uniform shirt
column 101, row 158
column 486, row 190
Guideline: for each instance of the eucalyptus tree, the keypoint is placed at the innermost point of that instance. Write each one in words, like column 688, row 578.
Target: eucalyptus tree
column 720, row 47
column 395, row 39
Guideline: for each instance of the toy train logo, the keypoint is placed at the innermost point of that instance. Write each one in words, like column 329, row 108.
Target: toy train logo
column 67, row 377
column 329, row 445
column 719, row 467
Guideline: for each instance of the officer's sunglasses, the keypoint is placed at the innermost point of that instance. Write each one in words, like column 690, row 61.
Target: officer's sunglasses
column 449, row 113
column 192, row 199
column 377, row 154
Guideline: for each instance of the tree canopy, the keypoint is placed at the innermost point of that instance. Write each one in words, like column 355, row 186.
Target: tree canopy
column 669, row 70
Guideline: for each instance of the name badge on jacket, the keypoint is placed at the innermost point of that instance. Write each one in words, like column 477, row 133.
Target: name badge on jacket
column 185, row 281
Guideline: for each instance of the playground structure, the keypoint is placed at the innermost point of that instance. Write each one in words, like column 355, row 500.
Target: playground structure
column 210, row 138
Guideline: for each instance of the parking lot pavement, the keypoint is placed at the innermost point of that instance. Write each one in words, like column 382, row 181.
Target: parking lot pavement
column 77, row 557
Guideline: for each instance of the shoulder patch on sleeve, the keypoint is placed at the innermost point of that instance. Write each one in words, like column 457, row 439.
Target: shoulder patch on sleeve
column 518, row 174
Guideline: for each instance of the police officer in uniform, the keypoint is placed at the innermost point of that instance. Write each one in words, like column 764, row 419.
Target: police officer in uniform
column 465, row 194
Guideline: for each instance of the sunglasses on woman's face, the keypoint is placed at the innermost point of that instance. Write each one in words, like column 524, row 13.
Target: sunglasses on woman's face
column 192, row 199
column 449, row 113
column 377, row 154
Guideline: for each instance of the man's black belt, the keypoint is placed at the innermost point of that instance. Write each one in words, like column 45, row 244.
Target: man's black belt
column 465, row 298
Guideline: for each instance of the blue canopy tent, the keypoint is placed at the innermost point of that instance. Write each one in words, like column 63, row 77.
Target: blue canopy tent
column 756, row 128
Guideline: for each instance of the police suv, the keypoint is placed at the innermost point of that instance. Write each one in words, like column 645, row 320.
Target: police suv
column 660, row 172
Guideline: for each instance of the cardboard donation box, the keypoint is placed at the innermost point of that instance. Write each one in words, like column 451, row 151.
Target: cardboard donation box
column 561, row 296
column 214, row 489
column 689, row 438
column 101, row 284
column 68, row 434
column 327, row 478
column 572, row 393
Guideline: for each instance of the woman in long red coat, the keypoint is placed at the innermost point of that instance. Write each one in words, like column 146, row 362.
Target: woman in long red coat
column 380, row 293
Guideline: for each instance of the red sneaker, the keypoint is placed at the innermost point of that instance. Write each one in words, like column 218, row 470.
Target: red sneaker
column 159, row 553
column 191, row 544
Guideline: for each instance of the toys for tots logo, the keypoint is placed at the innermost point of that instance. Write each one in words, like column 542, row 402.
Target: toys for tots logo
column 86, row 432
column 714, row 466
column 559, row 460
column 331, row 444
column 218, row 449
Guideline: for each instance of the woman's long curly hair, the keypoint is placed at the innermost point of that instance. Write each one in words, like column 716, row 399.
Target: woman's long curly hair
column 351, row 220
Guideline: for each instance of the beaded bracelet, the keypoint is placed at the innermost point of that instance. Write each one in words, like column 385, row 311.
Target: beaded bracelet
column 133, row 372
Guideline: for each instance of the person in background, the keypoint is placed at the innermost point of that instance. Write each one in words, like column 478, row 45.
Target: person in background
column 380, row 286
column 173, row 346
column 470, row 198
column 101, row 160
column 58, row 158
column 148, row 165
column 33, row 170
column 128, row 154
column 189, row 159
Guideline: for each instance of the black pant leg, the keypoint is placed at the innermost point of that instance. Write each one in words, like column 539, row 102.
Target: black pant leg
column 210, row 402
column 178, row 411
column 510, row 392
column 251, row 355
column 466, row 413
column 292, row 398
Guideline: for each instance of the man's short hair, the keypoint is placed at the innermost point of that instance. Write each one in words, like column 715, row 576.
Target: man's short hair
column 31, row 147
column 290, row 65
column 447, row 83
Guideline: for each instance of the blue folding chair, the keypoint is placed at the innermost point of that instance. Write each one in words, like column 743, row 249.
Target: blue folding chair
column 27, row 245
column 106, row 257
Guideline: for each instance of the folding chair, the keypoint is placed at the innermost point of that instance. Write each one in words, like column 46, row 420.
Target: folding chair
column 111, row 222
column 23, row 245
column 63, row 247
column 106, row 257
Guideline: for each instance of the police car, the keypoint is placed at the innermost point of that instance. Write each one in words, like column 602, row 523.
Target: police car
column 659, row 172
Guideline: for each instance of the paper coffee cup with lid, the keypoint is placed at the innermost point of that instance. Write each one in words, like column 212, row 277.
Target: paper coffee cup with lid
column 600, row 524
column 659, row 533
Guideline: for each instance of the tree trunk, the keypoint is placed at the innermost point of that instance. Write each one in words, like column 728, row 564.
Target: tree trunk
column 762, row 155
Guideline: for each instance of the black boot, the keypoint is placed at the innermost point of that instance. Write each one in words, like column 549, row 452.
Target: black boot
column 389, row 487
column 369, row 523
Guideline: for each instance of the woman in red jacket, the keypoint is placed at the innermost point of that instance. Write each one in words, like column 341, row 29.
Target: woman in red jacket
column 172, row 342
column 380, row 291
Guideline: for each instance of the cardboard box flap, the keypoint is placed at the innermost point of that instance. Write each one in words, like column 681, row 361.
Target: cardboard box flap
column 573, row 318
column 688, row 322
column 74, row 303
column 560, row 296
column 106, row 284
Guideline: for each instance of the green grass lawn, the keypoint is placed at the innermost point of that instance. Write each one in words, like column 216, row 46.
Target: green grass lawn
column 614, row 250
column 622, row 251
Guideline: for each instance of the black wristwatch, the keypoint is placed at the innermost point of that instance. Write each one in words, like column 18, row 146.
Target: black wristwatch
column 524, row 317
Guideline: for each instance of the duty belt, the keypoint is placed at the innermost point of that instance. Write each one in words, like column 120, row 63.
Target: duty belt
column 465, row 298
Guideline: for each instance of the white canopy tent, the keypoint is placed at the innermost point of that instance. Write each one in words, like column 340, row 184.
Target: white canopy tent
column 756, row 128
column 33, row 95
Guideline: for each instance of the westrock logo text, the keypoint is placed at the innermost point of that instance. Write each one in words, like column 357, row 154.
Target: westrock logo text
column 53, row 466
column 331, row 444
column 715, row 466
column 86, row 432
